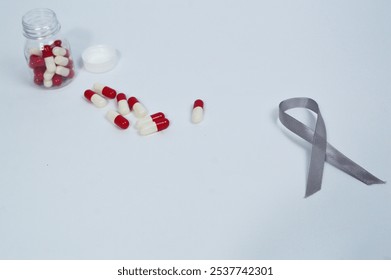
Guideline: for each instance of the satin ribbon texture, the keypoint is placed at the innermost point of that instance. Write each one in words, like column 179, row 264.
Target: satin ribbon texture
column 321, row 150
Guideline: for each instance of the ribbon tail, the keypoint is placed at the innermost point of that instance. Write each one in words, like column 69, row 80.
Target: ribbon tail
column 345, row 164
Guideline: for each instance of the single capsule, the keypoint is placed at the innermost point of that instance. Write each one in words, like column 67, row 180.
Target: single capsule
column 123, row 107
column 117, row 119
column 48, row 57
column 197, row 114
column 138, row 108
column 147, row 119
column 154, row 126
column 104, row 90
column 95, row 98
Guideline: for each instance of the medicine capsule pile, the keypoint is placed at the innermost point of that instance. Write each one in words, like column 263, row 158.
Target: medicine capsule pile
column 99, row 96
column 146, row 124
column 51, row 65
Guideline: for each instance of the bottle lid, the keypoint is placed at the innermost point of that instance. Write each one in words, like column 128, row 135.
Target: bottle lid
column 99, row 58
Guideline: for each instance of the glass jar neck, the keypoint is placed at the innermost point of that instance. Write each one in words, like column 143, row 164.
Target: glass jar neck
column 40, row 23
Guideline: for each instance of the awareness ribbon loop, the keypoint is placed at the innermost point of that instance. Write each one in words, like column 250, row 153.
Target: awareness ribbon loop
column 321, row 150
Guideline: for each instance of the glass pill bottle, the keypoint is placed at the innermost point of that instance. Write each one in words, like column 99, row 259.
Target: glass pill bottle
column 47, row 52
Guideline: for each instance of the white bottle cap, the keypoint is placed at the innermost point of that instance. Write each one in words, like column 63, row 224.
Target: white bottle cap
column 99, row 58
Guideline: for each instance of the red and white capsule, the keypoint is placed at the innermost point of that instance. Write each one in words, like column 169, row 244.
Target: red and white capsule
column 48, row 57
column 95, row 98
column 138, row 108
column 197, row 114
column 104, row 90
column 123, row 107
column 117, row 119
column 154, row 126
column 147, row 119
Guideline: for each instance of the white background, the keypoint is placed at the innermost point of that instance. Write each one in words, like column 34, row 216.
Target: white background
column 72, row 186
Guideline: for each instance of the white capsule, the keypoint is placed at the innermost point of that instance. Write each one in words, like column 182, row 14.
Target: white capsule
column 139, row 110
column 61, row 60
column 59, row 51
column 49, row 63
column 48, row 83
column 197, row 114
column 35, row 51
column 98, row 101
column 62, row 71
column 48, row 75
column 98, row 87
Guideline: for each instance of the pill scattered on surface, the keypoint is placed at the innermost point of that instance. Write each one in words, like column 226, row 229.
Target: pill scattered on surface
column 147, row 119
column 95, row 98
column 154, row 126
column 117, row 119
column 104, row 90
column 123, row 107
column 138, row 109
column 197, row 114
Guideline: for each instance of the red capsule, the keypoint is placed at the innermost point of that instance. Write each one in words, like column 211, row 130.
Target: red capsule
column 161, row 123
column 36, row 61
column 198, row 103
column 38, row 80
column 57, row 80
column 39, row 71
column 47, row 51
column 57, row 43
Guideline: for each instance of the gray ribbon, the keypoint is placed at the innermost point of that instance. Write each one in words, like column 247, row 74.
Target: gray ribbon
column 321, row 150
